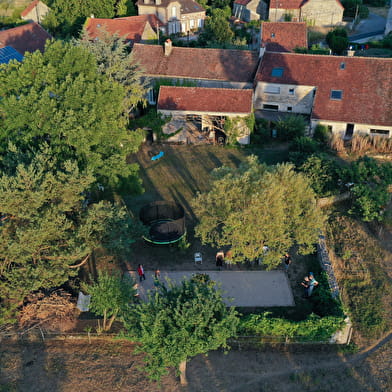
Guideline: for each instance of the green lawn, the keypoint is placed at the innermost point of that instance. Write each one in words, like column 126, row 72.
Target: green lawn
column 185, row 170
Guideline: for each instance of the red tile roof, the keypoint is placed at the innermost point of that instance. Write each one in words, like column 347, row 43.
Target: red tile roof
column 131, row 28
column 284, row 36
column 25, row 38
column 196, row 63
column 291, row 4
column 242, row 2
column 198, row 99
column 366, row 84
column 286, row 4
column 187, row 6
column 29, row 8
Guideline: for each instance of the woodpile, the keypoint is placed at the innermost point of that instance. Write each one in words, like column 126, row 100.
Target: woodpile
column 54, row 312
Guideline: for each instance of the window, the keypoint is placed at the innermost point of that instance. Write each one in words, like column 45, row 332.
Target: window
column 291, row 91
column 329, row 127
column 200, row 23
column 192, row 24
column 342, row 65
column 289, row 108
column 277, row 72
column 271, row 107
column 174, row 12
column 336, row 94
column 383, row 132
column 272, row 89
column 272, row 35
column 150, row 96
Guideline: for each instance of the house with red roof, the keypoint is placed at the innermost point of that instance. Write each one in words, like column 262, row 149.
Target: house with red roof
column 313, row 12
column 247, row 10
column 134, row 29
column 208, row 108
column 178, row 16
column 25, row 38
column 347, row 94
column 218, row 68
column 35, row 11
column 283, row 36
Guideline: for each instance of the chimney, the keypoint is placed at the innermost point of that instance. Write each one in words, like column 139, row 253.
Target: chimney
column 158, row 2
column 262, row 50
column 350, row 53
column 92, row 16
column 168, row 47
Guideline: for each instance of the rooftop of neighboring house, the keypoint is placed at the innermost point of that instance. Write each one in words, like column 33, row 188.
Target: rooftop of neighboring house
column 25, row 38
column 291, row 4
column 29, row 8
column 187, row 6
column 131, row 28
column 196, row 63
column 349, row 89
column 7, row 54
column 212, row 100
column 242, row 2
column 283, row 36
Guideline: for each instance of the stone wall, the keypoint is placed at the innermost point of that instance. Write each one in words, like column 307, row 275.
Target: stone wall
column 325, row 262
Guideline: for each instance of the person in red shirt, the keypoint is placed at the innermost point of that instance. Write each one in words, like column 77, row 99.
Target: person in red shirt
column 140, row 271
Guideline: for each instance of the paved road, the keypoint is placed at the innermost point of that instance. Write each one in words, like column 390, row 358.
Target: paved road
column 247, row 288
column 373, row 25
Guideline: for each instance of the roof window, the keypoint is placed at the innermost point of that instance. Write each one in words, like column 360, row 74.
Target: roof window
column 277, row 72
column 272, row 35
column 342, row 65
column 336, row 95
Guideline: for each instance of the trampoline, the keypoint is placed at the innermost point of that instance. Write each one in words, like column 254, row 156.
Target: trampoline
column 166, row 222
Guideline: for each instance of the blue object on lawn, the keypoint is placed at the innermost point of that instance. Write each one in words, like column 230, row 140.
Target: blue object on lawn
column 156, row 157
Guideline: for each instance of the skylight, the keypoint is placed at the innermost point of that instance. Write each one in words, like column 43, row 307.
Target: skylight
column 336, row 94
column 277, row 72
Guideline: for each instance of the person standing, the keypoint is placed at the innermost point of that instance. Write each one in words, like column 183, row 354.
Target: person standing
column 312, row 283
column 140, row 271
column 287, row 261
column 306, row 284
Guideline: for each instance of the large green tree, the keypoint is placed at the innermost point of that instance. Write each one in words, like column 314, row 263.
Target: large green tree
column 47, row 230
column 180, row 322
column 66, row 17
column 111, row 296
column 255, row 206
column 61, row 97
column 217, row 29
column 116, row 63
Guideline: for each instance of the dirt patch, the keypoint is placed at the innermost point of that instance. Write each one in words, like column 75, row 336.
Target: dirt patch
column 104, row 366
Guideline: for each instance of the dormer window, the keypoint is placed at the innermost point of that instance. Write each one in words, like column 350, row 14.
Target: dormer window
column 342, row 65
column 336, row 95
column 277, row 72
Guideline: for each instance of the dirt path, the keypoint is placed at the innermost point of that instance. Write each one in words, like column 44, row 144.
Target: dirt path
column 112, row 366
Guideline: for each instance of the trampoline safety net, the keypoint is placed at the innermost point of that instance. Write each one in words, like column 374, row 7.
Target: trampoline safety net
column 166, row 221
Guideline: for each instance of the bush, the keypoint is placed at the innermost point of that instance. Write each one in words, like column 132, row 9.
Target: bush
column 291, row 127
column 322, row 135
column 314, row 328
column 305, row 145
column 323, row 174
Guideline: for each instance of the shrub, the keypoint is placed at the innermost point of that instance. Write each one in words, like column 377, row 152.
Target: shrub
column 305, row 145
column 291, row 127
column 314, row 328
column 322, row 135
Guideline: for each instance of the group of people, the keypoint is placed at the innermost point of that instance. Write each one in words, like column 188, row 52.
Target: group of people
column 309, row 283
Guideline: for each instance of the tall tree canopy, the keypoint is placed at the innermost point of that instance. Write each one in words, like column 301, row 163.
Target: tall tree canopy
column 255, row 206
column 62, row 98
column 116, row 63
column 180, row 322
column 217, row 28
column 67, row 16
column 46, row 230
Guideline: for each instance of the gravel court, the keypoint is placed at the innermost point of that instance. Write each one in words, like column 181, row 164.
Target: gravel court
column 246, row 288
